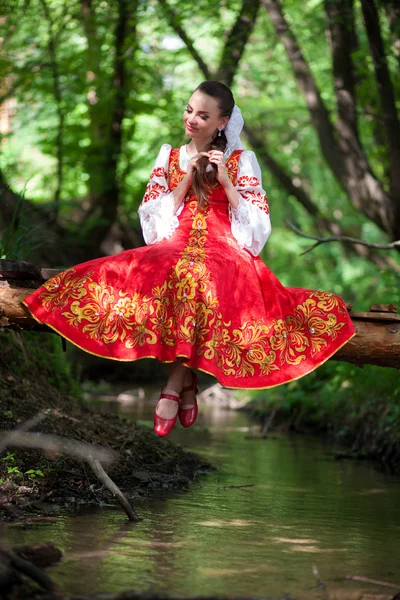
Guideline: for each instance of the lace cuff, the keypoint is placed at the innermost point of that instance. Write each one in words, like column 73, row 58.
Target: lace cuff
column 157, row 218
column 241, row 213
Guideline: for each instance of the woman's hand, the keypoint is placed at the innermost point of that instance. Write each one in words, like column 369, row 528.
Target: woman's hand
column 193, row 165
column 216, row 157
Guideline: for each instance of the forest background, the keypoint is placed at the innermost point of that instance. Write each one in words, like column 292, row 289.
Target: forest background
column 90, row 89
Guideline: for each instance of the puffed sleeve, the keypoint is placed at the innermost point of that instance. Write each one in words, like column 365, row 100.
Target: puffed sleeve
column 156, row 212
column 250, row 222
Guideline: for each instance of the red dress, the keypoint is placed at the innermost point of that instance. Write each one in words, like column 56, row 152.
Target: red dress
column 197, row 295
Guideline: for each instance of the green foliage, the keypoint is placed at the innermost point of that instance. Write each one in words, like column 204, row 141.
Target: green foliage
column 34, row 473
column 13, row 472
column 40, row 356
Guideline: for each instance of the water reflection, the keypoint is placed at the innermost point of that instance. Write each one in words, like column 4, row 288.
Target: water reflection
column 256, row 527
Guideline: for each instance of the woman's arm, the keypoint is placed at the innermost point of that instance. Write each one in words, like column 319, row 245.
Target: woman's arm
column 248, row 204
column 250, row 220
column 158, row 209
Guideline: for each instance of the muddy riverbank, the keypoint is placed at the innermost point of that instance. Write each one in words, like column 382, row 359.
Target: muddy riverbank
column 33, row 378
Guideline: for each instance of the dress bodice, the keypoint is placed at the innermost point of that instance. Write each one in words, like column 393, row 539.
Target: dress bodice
column 249, row 221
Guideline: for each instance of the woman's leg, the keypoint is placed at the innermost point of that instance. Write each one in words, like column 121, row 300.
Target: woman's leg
column 167, row 409
column 188, row 398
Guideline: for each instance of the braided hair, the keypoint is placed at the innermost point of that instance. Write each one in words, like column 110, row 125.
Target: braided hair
column 203, row 179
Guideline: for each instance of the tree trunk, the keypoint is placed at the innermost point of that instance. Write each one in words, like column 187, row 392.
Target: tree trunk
column 388, row 101
column 339, row 145
column 107, row 117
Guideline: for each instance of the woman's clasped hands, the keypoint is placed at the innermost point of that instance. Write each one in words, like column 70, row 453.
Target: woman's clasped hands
column 215, row 157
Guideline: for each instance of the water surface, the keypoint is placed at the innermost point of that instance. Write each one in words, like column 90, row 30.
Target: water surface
column 255, row 527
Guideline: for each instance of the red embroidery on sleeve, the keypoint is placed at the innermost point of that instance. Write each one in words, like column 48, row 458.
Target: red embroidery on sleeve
column 258, row 199
column 153, row 190
column 158, row 172
column 247, row 180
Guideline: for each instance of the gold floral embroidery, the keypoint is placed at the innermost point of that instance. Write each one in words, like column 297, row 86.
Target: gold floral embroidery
column 184, row 308
column 329, row 301
column 62, row 287
column 175, row 174
column 301, row 330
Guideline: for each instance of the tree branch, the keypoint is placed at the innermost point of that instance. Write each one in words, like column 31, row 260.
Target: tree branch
column 174, row 22
column 300, row 194
column 237, row 40
column 52, row 48
column 318, row 111
column 344, row 239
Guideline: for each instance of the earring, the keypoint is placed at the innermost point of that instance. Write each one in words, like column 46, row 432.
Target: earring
column 219, row 132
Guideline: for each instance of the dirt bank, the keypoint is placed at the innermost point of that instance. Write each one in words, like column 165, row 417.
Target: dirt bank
column 34, row 376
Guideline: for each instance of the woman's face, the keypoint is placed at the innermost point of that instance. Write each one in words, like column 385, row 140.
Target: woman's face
column 202, row 117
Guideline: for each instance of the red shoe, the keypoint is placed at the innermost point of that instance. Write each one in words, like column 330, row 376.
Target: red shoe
column 187, row 416
column 162, row 426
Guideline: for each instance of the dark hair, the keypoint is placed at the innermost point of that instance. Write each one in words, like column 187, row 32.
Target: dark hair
column 202, row 179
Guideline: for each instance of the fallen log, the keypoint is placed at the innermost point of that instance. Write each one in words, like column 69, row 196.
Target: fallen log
column 378, row 331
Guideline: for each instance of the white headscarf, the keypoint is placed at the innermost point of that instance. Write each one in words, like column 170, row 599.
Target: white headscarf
column 234, row 129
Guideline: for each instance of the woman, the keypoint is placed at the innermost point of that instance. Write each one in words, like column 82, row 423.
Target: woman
column 197, row 295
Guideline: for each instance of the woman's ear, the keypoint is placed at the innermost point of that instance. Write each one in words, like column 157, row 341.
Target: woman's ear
column 224, row 122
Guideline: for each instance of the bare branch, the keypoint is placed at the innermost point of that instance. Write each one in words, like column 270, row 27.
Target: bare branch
column 30, row 424
column 373, row 581
column 54, row 444
column 110, row 485
column 301, row 195
column 32, row 571
column 344, row 239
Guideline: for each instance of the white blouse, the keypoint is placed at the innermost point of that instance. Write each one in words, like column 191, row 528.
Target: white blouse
column 250, row 222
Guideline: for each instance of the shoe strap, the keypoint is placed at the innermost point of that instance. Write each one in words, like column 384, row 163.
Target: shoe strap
column 192, row 386
column 170, row 397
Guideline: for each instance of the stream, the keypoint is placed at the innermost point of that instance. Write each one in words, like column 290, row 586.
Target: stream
column 273, row 511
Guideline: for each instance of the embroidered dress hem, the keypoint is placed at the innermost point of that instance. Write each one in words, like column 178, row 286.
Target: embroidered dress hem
column 248, row 385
